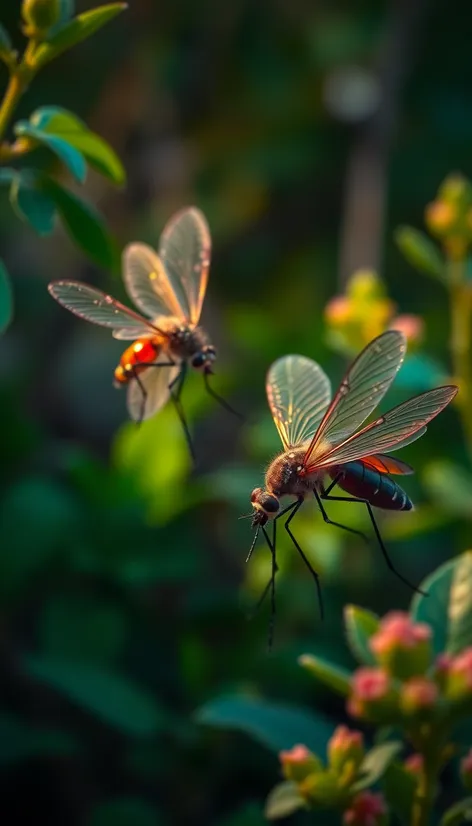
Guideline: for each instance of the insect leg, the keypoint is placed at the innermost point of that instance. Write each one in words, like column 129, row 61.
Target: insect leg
column 324, row 495
column 379, row 538
column 175, row 396
column 315, row 576
column 271, row 584
column 220, row 399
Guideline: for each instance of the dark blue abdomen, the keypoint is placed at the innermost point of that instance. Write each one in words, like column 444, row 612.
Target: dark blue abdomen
column 365, row 483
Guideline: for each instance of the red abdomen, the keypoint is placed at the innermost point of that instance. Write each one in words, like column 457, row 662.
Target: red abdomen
column 136, row 358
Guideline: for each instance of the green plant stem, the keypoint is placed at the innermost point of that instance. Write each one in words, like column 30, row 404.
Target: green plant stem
column 460, row 343
column 10, row 101
column 426, row 789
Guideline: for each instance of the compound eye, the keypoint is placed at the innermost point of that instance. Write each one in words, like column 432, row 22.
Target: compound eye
column 211, row 350
column 198, row 360
column 269, row 503
column 256, row 494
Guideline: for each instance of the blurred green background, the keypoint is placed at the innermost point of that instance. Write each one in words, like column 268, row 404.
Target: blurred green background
column 306, row 132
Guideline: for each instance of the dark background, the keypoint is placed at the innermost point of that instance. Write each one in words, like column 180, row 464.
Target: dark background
column 306, row 132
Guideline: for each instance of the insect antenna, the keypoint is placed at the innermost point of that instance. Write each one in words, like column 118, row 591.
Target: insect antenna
column 220, row 399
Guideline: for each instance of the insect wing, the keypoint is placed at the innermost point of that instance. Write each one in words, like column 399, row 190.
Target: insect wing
column 148, row 284
column 95, row 306
column 395, row 429
column 360, row 391
column 387, row 464
column 185, row 250
column 298, row 392
column 155, row 382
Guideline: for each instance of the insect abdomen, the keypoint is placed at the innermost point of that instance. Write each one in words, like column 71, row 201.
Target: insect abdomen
column 365, row 483
column 136, row 357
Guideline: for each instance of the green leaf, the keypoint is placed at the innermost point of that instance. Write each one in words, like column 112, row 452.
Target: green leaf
column 87, row 629
column 5, row 43
column 124, row 811
column 56, row 121
column 283, row 800
column 76, row 30
column 22, row 741
column 331, row 675
column 7, row 175
column 110, row 696
column 420, row 251
column 68, row 154
column 460, row 605
column 375, row 764
column 6, row 299
column 360, row 626
column 84, row 224
column 31, row 204
column 275, row 725
column 450, row 486
column 433, row 608
column 460, row 812
column 399, row 788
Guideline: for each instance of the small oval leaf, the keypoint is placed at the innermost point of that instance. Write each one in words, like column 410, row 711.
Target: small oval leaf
column 76, row 30
column 460, row 605
column 420, row 251
column 458, row 813
column 283, row 800
column 31, row 204
column 360, row 626
column 331, row 675
column 376, row 763
column 68, row 154
column 433, row 608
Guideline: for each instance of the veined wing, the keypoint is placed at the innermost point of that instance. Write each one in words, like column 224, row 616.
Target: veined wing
column 387, row 464
column 395, row 429
column 185, row 250
column 155, row 381
column 364, row 385
column 298, row 392
column 95, row 306
column 148, row 284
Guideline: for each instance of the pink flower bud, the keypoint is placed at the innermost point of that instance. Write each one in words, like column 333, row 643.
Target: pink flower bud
column 401, row 645
column 298, row 762
column 459, row 678
column 418, row 694
column 338, row 310
column 466, row 770
column 366, row 809
column 414, row 763
column 345, row 746
column 411, row 325
column 372, row 694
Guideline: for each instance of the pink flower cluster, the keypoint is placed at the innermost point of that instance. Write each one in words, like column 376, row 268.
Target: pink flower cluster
column 367, row 809
column 368, row 685
column 419, row 693
column 345, row 739
column 398, row 631
column 297, row 754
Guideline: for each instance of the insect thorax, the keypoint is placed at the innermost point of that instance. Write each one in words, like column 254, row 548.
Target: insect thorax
column 184, row 341
column 283, row 474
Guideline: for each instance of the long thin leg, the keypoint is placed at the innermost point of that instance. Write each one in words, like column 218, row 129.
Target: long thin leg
column 220, row 399
column 270, row 638
column 329, row 521
column 134, row 370
column 379, row 538
column 175, row 396
column 305, row 559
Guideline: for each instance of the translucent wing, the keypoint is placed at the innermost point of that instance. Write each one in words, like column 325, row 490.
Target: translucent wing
column 148, row 284
column 360, row 391
column 185, row 250
column 95, row 306
column 155, row 381
column 298, row 391
column 395, row 429
column 387, row 464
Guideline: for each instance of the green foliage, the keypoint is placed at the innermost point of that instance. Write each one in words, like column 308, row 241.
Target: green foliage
column 124, row 811
column 115, row 699
column 332, row 676
column 450, row 485
column 434, row 608
column 420, row 251
column 399, row 788
column 75, row 31
column 376, row 763
column 6, row 299
column 32, row 204
column 460, row 812
column 275, row 725
column 19, row 740
column 70, row 157
column 459, row 632
column 360, row 626
column 283, row 800
column 83, row 629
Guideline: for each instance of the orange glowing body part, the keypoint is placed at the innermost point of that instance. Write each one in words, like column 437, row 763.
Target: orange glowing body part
column 137, row 358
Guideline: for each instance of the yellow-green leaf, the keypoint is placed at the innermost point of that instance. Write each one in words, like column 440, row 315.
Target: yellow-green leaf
column 76, row 30
column 283, row 800
column 331, row 675
column 68, row 154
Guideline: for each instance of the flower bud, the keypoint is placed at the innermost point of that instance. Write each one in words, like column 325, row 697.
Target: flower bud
column 465, row 769
column 366, row 809
column 440, row 217
column 418, row 696
column 442, row 666
column 402, row 647
column 345, row 746
column 455, row 189
column 459, row 677
column 42, row 15
column 372, row 695
column 414, row 764
column 299, row 762
column 412, row 326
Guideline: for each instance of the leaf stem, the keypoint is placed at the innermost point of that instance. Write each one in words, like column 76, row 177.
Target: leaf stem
column 10, row 101
column 460, row 343
column 426, row 789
